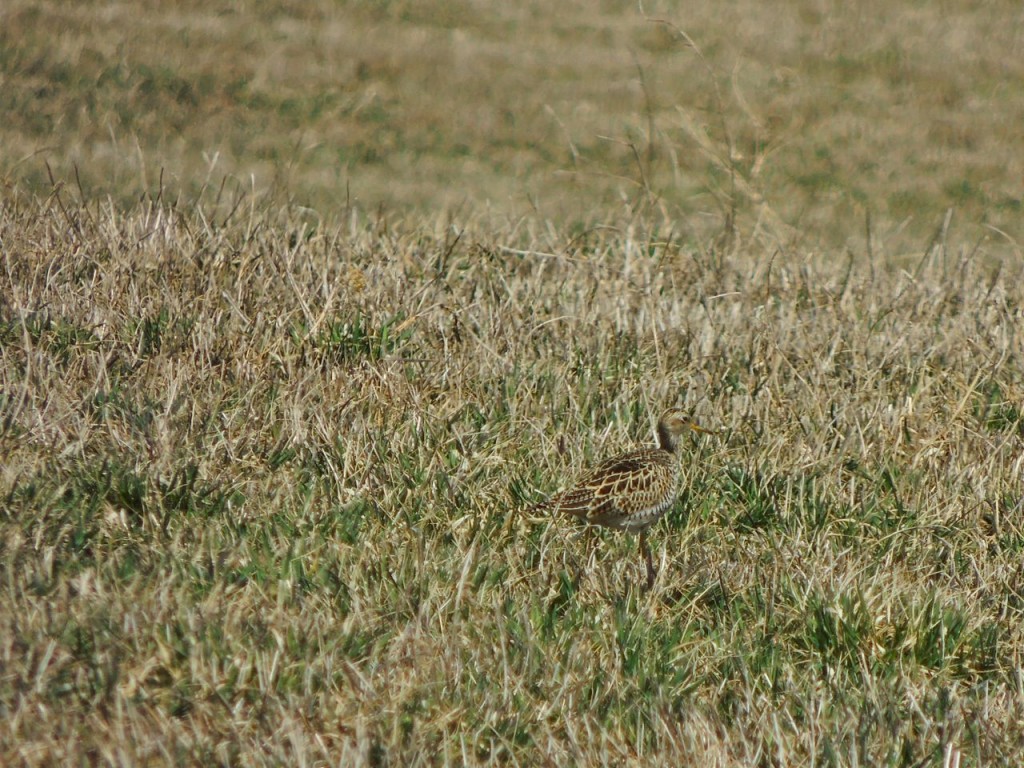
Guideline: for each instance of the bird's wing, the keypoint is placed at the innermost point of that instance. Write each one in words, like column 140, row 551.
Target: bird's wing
column 612, row 489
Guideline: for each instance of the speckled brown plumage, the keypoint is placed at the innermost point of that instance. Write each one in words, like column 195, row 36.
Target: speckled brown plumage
column 632, row 491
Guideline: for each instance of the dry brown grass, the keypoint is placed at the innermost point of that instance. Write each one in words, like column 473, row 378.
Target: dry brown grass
column 322, row 294
column 260, row 490
column 807, row 116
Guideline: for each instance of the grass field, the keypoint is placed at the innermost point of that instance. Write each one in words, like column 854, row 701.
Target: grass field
column 301, row 305
column 803, row 120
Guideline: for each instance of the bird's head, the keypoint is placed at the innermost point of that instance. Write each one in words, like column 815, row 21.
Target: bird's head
column 673, row 423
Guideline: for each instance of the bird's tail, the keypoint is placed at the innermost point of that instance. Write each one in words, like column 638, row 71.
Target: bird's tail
column 564, row 503
column 541, row 510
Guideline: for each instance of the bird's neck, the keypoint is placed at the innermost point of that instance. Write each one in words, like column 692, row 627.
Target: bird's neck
column 666, row 439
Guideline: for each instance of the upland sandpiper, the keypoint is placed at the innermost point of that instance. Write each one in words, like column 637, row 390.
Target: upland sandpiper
column 631, row 491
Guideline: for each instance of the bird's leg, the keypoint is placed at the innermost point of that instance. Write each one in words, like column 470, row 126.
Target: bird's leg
column 646, row 551
column 581, row 569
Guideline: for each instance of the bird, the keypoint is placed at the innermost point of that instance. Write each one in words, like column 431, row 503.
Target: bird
column 633, row 490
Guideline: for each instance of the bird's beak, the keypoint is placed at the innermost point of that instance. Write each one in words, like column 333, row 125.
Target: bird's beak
column 699, row 428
